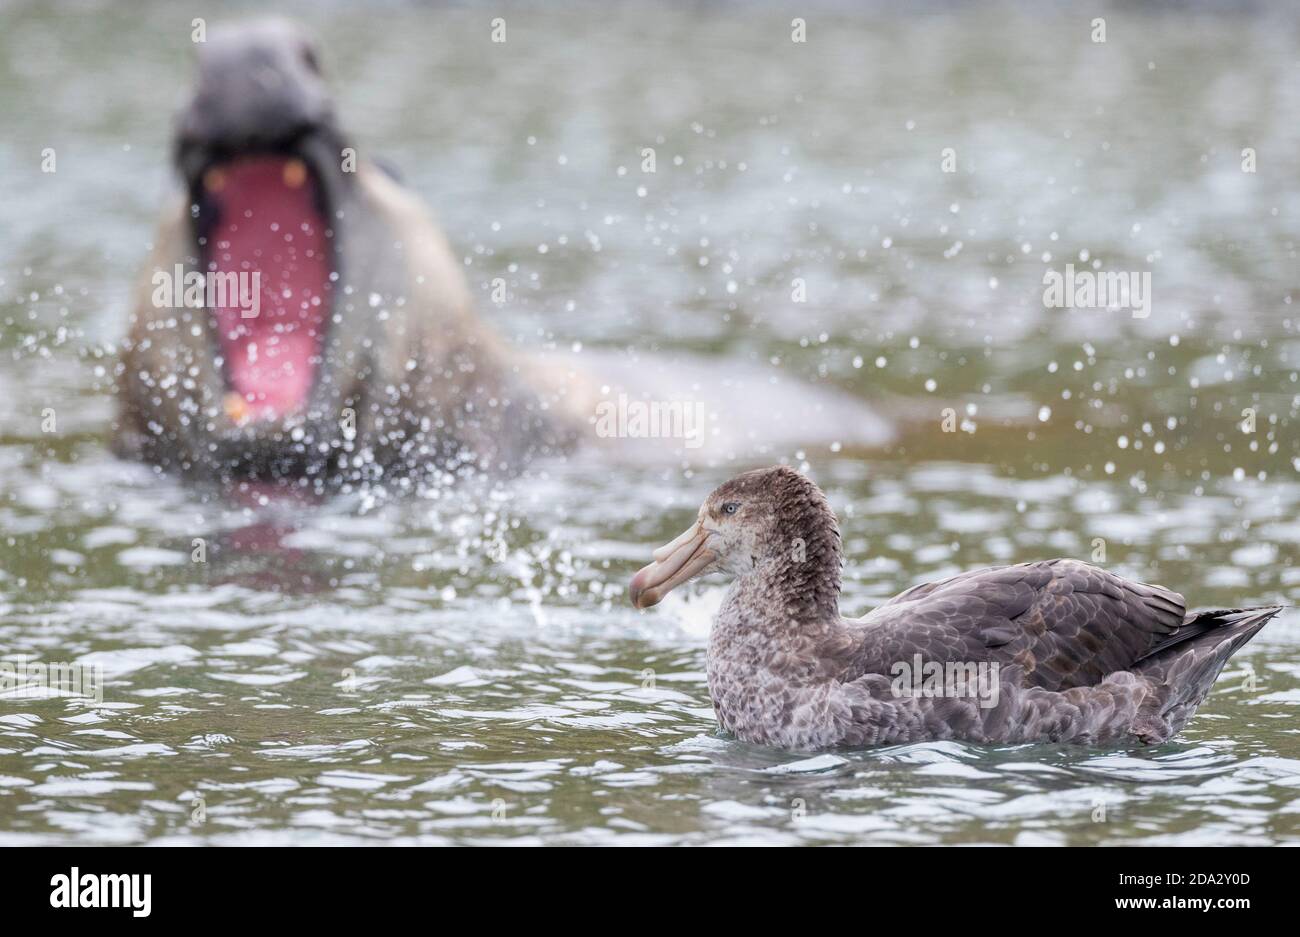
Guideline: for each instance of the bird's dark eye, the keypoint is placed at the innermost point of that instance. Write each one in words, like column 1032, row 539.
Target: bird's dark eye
column 731, row 507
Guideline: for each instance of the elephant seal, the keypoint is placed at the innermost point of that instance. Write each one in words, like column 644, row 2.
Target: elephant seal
column 300, row 313
column 301, row 316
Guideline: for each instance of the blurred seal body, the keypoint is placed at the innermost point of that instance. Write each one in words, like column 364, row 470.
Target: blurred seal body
column 322, row 325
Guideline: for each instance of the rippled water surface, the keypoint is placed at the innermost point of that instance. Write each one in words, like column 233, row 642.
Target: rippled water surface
column 460, row 664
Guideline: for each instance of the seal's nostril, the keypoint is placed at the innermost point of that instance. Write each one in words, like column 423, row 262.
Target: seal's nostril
column 268, row 78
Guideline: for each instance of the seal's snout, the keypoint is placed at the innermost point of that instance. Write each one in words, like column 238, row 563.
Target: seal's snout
column 259, row 89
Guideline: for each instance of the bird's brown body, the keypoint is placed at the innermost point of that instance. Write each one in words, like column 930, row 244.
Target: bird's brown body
column 1056, row 651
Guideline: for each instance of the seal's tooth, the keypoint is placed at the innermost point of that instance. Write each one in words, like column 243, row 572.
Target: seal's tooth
column 237, row 408
column 295, row 173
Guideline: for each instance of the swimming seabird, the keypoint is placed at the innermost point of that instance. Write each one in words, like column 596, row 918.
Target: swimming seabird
column 1053, row 651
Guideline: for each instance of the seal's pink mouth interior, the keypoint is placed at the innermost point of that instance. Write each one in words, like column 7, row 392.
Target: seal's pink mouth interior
column 269, row 223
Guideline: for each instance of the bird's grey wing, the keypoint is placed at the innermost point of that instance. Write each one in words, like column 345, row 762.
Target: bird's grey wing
column 1064, row 622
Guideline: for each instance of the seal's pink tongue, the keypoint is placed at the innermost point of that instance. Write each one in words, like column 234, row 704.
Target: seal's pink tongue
column 268, row 224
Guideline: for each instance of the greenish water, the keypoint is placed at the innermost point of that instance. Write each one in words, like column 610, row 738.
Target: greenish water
column 461, row 665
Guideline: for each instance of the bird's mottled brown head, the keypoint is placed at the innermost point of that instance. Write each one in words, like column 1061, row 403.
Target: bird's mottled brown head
column 771, row 518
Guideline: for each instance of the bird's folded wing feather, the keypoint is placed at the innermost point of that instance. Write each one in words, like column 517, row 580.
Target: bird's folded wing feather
column 1064, row 622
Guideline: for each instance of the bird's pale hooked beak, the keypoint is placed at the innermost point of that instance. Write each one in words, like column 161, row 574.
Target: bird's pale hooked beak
column 675, row 563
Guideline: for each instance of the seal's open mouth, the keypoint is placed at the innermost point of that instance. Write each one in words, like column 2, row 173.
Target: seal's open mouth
column 263, row 218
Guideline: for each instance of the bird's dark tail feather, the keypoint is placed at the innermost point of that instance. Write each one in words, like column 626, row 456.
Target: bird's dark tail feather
column 1189, row 660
